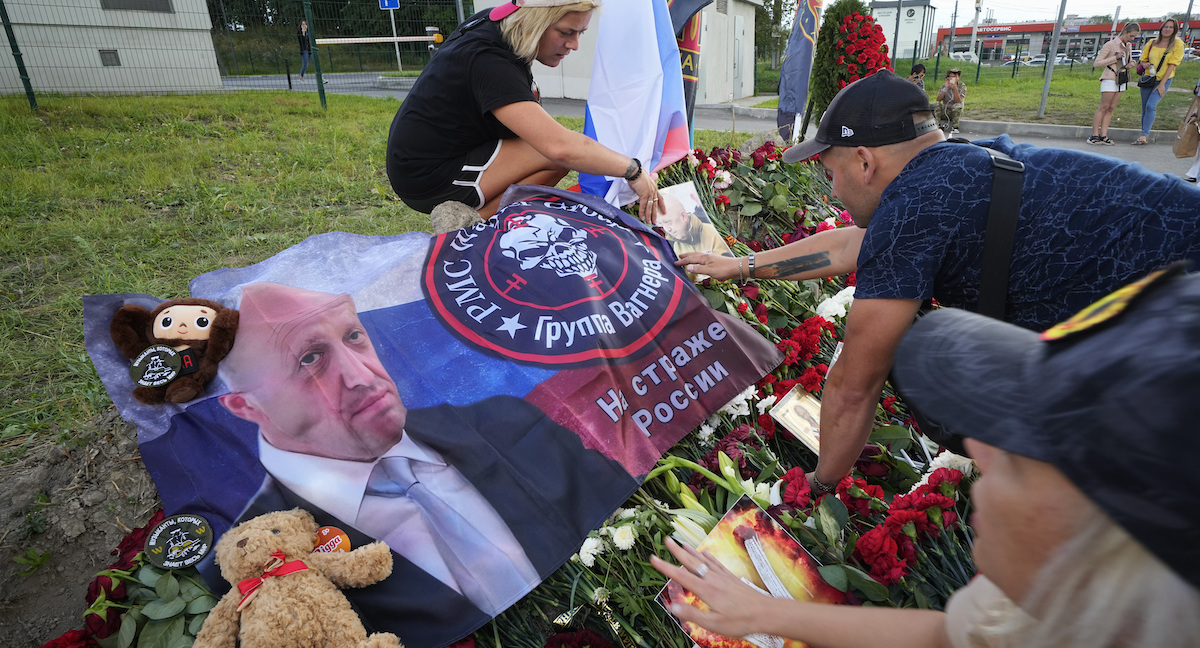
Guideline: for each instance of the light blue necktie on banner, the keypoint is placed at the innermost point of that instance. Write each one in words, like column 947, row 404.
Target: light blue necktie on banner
column 484, row 573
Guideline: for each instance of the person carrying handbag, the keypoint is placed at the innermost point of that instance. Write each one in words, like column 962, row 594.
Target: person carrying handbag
column 1169, row 52
column 1194, row 171
column 1116, row 57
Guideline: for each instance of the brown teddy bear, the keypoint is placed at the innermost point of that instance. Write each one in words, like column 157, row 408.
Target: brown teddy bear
column 284, row 594
column 174, row 348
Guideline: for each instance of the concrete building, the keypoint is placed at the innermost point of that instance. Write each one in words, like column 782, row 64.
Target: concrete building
column 726, row 55
column 995, row 41
column 111, row 46
column 916, row 26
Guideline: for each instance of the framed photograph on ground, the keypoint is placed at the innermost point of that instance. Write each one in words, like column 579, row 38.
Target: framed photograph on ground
column 687, row 226
column 800, row 413
column 756, row 548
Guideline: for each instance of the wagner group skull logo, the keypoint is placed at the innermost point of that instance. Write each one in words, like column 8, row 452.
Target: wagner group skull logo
column 553, row 281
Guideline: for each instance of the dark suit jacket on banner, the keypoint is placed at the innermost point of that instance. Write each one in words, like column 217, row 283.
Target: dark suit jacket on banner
column 547, row 487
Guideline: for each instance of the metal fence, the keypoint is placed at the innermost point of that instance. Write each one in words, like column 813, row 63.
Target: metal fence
column 195, row 46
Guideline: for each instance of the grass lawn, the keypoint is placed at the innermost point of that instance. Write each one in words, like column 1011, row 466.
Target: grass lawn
column 1074, row 95
column 141, row 194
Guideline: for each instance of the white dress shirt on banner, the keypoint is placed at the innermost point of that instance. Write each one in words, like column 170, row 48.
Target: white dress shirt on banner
column 338, row 486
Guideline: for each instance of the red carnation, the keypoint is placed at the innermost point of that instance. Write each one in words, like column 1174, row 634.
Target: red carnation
column 880, row 552
column 852, row 68
column 721, row 200
column 797, row 493
column 742, row 307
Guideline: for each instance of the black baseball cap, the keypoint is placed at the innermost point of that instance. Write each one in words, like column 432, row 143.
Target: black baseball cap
column 873, row 111
column 1108, row 397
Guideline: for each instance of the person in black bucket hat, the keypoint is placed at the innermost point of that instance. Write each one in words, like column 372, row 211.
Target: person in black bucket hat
column 922, row 210
column 1087, row 508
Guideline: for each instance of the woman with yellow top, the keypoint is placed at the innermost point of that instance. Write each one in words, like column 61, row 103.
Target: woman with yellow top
column 1160, row 60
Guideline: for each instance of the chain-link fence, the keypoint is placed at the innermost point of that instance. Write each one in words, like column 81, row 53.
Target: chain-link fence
column 191, row 46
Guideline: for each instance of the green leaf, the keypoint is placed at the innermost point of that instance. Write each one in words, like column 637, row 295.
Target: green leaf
column 832, row 509
column 778, row 202
column 715, row 297
column 890, row 434
column 148, row 576
column 128, row 631
column 161, row 610
column 776, row 320
column 196, row 623
column 751, row 208
column 861, row 582
column 167, row 587
column 160, row 634
column 202, row 604
column 835, row 575
column 184, row 641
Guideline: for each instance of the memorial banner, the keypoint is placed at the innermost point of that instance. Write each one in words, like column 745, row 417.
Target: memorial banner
column 479, row 400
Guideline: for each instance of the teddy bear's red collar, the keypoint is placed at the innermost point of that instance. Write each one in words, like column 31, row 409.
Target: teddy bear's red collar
column 274, row 567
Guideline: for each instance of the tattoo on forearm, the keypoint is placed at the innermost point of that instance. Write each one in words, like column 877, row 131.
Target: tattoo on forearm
column 794, row 265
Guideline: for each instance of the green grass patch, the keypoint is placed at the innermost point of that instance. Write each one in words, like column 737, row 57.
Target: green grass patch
column 141, row 194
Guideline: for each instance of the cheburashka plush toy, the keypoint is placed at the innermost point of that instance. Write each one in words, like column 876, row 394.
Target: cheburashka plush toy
column 285, row 595
column 174, row 349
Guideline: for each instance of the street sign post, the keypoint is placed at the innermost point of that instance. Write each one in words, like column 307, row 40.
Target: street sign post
column 391, row 6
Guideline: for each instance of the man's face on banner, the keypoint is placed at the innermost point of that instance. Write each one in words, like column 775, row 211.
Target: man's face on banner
column 675, row 222
column 315, row 384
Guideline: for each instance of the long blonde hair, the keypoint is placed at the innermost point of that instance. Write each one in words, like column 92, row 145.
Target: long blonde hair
column 1101, row 589
column 523, row 28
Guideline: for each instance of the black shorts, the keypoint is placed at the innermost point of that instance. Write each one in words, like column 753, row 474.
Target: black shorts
column 465, row 187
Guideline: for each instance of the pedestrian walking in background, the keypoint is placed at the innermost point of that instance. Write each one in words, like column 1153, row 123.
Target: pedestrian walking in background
column 1159, row 60
column 1116, row 57
column 305, row 48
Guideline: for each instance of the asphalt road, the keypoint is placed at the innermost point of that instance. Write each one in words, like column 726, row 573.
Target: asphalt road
column 1156, row 156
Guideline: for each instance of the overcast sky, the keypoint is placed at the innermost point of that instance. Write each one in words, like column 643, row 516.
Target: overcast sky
column 1006, row 11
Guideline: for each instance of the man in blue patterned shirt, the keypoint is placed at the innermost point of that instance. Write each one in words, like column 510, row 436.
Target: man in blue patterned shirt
column 1088, row 224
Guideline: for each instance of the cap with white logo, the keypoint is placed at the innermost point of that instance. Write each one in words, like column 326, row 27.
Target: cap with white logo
column 873, row 111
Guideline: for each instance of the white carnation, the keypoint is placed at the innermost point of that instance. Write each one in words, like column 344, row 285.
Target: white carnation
column 836, row 306
column 705, row 431
column 591, row 548
column 624, row 537
column 765, row 404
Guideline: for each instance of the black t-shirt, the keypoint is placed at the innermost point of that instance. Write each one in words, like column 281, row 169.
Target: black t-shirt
column 448, row 111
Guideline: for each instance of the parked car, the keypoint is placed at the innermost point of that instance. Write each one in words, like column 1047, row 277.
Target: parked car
column 1037, row 60
column 1020, row 63
column 965, row 56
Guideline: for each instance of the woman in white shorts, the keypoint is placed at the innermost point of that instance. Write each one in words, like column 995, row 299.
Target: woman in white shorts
column 1116, row 57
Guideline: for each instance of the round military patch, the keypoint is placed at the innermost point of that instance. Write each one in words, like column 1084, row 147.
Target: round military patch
column 555, row 282
column 156, row 366
column 179, row 541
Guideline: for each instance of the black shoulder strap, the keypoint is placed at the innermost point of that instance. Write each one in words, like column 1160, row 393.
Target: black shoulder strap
column 1001, row 232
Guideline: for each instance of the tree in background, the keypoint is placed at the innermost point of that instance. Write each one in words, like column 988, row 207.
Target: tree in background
column 772, row 24
column 850, row 45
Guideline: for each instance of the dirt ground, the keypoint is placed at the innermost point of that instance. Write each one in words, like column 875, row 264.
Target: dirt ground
column 76, row 504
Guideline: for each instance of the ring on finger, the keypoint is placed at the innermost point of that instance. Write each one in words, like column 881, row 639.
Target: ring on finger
column 701, row 570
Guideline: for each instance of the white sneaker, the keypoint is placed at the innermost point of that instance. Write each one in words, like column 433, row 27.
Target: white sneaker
column 953, row 130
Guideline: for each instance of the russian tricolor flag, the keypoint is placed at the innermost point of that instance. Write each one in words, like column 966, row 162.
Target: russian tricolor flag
column 635, row 102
